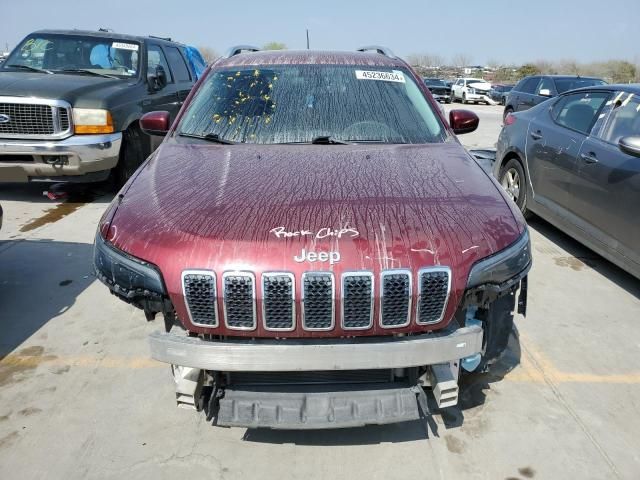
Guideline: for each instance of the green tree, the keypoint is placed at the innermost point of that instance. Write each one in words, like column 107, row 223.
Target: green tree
column 274, row 46
column 528, row 69
column 621, row 72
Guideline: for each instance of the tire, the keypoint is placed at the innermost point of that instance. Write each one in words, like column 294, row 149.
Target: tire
column 132, row 154
column 464, row 98
column 507, row 111
column 513, row 180
column 503, row 101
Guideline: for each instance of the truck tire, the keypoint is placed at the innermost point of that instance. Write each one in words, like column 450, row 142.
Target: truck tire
column 132, row 155
column 464, row 98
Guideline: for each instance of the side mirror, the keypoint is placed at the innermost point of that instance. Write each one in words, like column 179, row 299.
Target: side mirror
column 158, row 79
column 463, row 121
column 630, row 145
column 544, row 92
column 155, row 123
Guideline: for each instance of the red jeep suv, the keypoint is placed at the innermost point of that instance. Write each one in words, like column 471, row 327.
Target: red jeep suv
column 320, row 245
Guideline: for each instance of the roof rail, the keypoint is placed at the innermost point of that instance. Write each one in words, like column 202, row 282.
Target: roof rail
column 168, row 39
column 378, row 49
column 238, row 49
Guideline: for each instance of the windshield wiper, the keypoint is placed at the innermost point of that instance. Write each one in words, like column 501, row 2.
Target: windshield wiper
column 84, row 70
column 326, row 140
column 28, row 67
column 209, row 137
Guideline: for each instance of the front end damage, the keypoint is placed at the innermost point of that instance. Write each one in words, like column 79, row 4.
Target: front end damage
column 320, row 382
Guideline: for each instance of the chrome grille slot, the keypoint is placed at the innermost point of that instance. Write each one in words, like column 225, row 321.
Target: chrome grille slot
column 395, row 298
column 357, row 300
column 34, row 118
column 239, row 300
column 435, row 285
column 278, row 301
column 318, row 295
column 63, row 119
column 199, row 289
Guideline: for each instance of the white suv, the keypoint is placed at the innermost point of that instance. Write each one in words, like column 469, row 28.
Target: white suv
column 471, row 90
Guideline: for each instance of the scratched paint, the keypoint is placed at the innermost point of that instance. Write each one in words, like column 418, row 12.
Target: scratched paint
column 215, row 207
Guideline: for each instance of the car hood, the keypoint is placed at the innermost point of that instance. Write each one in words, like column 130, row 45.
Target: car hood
column 260, row 208
column 58, row 86
column 480, row 85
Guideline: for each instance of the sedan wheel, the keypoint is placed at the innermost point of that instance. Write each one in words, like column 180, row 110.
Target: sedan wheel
column 511, row 183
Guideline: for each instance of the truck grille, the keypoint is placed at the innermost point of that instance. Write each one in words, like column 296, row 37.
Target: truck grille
column 239, row 300
column 278, row 301
column 395, row 301
column 318, row 301
column 34, row 118
column 199, row 288
column 357, row 300
column 434, row 292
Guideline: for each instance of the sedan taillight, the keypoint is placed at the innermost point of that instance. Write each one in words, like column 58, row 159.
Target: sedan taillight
column 509, row 119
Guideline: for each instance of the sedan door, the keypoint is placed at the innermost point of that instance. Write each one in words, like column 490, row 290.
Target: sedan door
column 606, row 190
column 554, row 141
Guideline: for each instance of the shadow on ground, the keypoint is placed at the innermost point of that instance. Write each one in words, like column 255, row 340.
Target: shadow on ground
column 586, row 257
column 473, row 393
column 34, row 192
column 39, row 280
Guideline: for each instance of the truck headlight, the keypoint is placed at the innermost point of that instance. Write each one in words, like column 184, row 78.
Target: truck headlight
column 92, row 120
column 472, row 91
column 127, row 276
column 504, row 265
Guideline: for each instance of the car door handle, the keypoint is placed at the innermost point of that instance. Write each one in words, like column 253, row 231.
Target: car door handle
column 537, row 135
column 589, row 157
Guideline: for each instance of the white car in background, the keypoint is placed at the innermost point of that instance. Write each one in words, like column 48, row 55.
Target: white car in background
column 471, row 90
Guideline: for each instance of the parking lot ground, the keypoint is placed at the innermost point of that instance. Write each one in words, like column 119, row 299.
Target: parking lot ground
column 80, row 398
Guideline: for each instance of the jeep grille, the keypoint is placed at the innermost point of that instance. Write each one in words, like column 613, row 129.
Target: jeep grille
column 357, row 300
column 395, row 298
column 434, row 292
column 199, row 288
column 239, row 300
column 318, row 301
column 277, row 299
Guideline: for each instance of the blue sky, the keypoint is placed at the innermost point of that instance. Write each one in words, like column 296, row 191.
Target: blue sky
column 505, row 30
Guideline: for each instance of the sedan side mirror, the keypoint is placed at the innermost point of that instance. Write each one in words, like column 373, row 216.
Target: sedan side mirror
column 155, row 123
column 158, row 79
column 630, row 145
column 463, row 121
column 545, row 92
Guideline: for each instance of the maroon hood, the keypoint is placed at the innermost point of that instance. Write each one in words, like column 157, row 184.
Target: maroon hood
column 238, row 207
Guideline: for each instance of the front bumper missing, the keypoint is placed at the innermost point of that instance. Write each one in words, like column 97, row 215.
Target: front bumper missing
column 276, row 355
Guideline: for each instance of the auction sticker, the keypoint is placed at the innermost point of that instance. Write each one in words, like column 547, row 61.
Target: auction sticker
column 393, row 76
column 125, row 46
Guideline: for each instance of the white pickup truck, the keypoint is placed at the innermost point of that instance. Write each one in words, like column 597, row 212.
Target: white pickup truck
column 471, row 90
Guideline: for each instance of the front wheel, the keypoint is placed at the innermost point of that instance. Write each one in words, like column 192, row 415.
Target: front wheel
column 464, row 98
column 131, row 156
column 512, row 180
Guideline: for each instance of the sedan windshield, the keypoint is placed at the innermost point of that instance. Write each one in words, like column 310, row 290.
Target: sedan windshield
column 76, row 54
column 566, row 84
column 434, row 82
column 302, row 103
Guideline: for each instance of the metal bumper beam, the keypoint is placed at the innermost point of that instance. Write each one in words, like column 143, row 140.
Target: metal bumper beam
column 285, row 355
